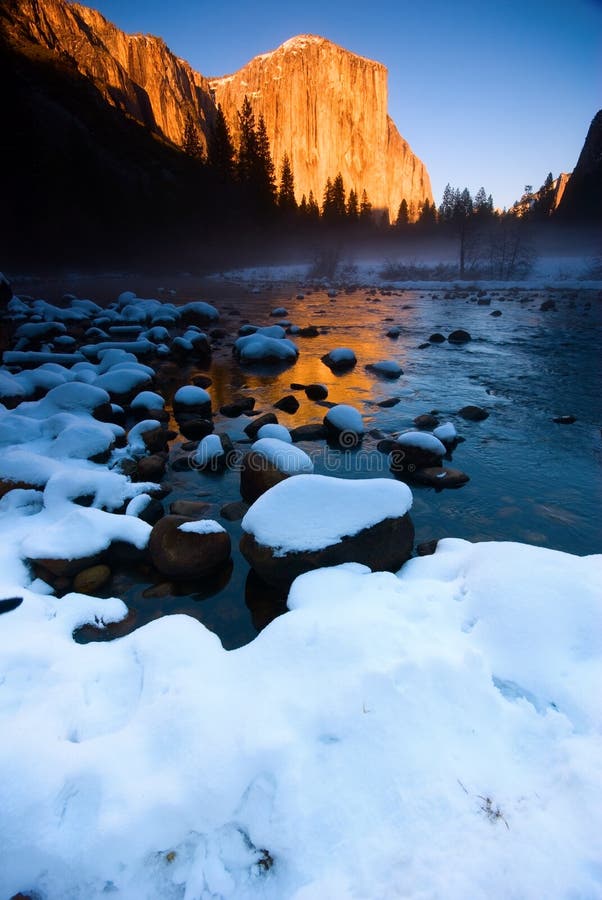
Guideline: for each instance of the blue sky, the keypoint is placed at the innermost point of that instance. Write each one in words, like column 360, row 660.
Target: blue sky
column 487, row 92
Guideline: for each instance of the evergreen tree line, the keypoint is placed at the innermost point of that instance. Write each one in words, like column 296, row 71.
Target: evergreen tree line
column 248, row 178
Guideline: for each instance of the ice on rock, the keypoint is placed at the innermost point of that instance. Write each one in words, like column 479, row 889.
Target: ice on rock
column 283, row 455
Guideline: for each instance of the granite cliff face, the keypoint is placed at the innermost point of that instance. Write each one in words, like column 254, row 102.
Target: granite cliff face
column 136, row 73
column 327, row 108
column 324, row 106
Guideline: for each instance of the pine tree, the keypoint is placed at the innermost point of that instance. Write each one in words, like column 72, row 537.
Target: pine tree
column 220, row 149
column 313, row 210
column 339, row 206
column 303, row 208
column 265, row 177
column 191, row 143
column 353, row 208
column 328, row 201
column 286, row 188
column 403, row 216
column 365, row 209
column 247, row 150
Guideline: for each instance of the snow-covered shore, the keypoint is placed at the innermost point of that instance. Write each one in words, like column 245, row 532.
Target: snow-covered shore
column 434, row 733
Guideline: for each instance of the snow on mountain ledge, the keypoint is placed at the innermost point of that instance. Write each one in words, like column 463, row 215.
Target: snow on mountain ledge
column 433, row 734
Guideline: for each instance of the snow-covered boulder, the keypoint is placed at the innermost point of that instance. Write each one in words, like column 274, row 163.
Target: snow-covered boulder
column 191, row 400
column 259, row 348
column 340, row 359
column 416, row 449
column 311, row 521
column 210, row 453
column 344, row 425
column 386, row 368
column 447, row 434
column 180, row 547
column 275, row 431
column 269, row 462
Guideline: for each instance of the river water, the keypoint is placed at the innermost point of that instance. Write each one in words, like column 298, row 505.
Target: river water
column 531, row 480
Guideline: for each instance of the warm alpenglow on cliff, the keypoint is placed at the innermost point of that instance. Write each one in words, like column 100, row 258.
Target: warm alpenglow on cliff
column 324, row 107
column 327, row 109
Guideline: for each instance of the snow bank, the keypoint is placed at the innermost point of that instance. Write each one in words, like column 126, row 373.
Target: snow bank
column 275, row 431
column 313, row 511
column 429, row 735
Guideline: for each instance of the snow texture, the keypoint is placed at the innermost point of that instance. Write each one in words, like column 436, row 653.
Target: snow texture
column 202, row 526
column 433, row 735
column 284, row 456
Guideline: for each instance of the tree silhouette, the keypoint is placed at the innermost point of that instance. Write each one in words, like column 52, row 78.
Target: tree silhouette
column 313, row 210
column 365, row 209
column 403, row 215
column 247, row 148
column 220, row 149
column 286, row 189
column 191, row 143
column 265, row 177
column 353, row 208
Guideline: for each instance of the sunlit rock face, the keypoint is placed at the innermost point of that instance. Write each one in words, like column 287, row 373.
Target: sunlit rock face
column 327, row 108
column 137, row 73
column 324, row 106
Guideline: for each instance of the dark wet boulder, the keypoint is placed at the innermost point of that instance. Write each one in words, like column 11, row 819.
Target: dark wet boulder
column 253, row 427
column 389, row 402
column 427, row 548
column 459, row 336
column 182, row 547
column 564, row 420
column 316, row 391
column 437, row 338
column 234, row 511
column 151, row 468
column 439, row 477
column 192, row 509
column 548, row 305
column 90, row 580
column 309, row 331
column 237, row 407
column 496, row 313
column 315, row 432
column 288, row 404
column 426, row 420
column 194, row 428
column 473, row 413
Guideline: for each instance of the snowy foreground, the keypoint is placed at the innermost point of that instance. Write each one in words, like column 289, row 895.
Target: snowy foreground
column 434, row 734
